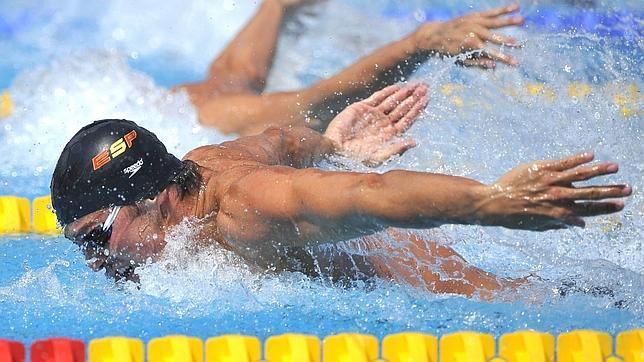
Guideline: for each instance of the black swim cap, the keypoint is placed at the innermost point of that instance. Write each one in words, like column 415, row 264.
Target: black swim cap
column 111, row 162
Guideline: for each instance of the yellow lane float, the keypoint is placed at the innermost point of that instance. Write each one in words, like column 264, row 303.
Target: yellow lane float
column 350, row 347
column 112, row 349
column 6, row 105
column 14, row 215
column 630, row 345
column 403, row 347
column 292, row 348
column 584, row 346
column 466, row 347
column 527, row 346
column 233, row 348
column 43, row 219
column 175, row 349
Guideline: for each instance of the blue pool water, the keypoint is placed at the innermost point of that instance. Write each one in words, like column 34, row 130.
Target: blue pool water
column 71, row 62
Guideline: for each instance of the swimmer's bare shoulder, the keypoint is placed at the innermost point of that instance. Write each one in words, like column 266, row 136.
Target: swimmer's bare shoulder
column 222, row 167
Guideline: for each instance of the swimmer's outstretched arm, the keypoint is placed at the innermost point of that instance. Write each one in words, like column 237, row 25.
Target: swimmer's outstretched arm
column 307, row 206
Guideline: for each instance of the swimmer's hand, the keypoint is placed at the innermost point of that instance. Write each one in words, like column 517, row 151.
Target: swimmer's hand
column 471, row 32
column 370, row 130
column 541, row 195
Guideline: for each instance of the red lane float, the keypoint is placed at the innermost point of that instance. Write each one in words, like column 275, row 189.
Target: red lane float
column 58, row 350
column 11, row 351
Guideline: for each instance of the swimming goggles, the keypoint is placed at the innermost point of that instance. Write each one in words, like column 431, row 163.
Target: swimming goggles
column 99, row 236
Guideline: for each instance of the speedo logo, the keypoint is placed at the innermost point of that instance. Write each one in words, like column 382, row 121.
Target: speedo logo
column 134, row 168
column 116, row 149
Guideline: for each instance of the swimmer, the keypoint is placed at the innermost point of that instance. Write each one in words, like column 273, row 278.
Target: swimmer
column 118, row 192
column 231, row 98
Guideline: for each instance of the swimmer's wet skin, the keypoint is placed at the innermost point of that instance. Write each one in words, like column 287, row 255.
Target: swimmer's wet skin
column 261, row 197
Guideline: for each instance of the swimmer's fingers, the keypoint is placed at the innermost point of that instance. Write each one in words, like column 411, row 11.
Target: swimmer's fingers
column 472, row 42
column 501, row 22
column 566, row 163
column 379, row 96
column 586, row 209
column 591, row 192
column 479, row 59
column 496, row 38
column 406, row 105
column 587, row 172
column 498, row 56
column 482, row 62
column 556, row 217
column 503, row 10
column 397, row 97
column 412, row 115
column 397, row 147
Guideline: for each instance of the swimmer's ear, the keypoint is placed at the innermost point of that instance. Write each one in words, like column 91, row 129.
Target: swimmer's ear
column 163, row 201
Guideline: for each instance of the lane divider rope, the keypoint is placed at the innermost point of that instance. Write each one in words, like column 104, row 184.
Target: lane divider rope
column 466, row 346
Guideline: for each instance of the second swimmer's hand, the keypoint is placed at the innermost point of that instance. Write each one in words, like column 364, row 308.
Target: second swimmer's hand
column 541, row 195
column 370, row 130
column 471, row 32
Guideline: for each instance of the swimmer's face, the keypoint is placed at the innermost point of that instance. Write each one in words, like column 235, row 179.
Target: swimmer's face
column 136, row 236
